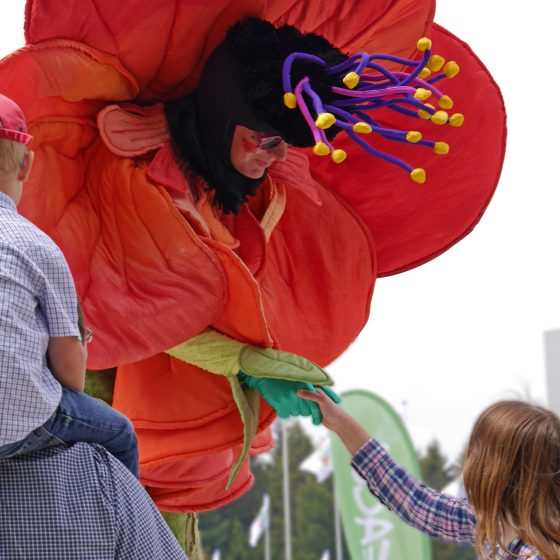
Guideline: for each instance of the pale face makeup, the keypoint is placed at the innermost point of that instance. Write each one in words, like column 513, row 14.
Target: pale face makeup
column 248, row 158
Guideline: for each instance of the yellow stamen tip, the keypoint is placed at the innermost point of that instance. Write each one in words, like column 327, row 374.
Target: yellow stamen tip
column 413, row 136
column 422, row 94
column 436, row 62
column 451, row 69
column 325, row 120
column 424, row 114
column 290, row 100
column 321, row 149
column 418, row 175
column 439, row 117
column 362, row 128
column 338, row 156
column 445, row 102
column 457, row 119
column 351, row 80
column 424, row 44
column 441, row 148
column 425, row 73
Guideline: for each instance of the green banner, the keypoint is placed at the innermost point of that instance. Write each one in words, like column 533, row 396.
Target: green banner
column 372, row 531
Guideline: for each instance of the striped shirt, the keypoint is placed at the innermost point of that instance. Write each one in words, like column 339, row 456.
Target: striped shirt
column 78, row 503
column 37, row 301
column 438, row 515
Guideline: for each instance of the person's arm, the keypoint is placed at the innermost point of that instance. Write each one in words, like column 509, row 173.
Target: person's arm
column 59, row 305
column 67, row 361
column 351, row 433
column 438, row 515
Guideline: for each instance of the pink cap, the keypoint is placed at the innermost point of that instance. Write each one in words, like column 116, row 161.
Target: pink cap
column 12, row 122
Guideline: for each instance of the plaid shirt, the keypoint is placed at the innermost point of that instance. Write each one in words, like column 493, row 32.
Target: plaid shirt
column 78, row 503
column 438, row 515
column 37, row 301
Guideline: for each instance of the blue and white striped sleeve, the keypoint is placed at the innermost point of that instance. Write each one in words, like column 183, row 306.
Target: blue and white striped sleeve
column 57, row 294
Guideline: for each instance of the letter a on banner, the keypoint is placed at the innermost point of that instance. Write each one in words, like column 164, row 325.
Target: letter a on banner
column 372, row 531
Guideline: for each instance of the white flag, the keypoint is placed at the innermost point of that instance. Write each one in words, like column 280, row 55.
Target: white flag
column 319, row 462
column 260, row 523
column 326, row 555
column 217, row 554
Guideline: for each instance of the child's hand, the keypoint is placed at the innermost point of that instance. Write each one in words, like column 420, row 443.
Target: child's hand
column 332, row 414
column 351, row 433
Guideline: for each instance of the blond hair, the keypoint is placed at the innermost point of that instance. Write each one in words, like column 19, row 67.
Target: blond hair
column 512, row 475
column 11, row 155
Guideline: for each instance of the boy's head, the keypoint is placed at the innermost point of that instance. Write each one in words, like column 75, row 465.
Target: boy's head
column 12, row 122
column 15, row 159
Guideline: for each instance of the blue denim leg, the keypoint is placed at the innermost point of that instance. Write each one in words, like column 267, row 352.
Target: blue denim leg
column 36, row 441
column 80, row 417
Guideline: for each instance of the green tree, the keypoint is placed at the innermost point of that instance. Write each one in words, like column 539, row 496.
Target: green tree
column 434, row 469
column 312, row 512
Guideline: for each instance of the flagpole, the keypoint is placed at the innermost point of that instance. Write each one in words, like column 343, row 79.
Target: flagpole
column 267, row 536
column 286, row 493
column 337, row 534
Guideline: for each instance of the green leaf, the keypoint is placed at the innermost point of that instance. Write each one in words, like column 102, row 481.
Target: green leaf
column 275, row 364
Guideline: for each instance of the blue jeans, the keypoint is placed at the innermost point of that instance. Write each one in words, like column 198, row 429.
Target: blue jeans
column 80, row 417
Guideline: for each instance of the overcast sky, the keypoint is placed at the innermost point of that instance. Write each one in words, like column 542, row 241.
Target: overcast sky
column 466, row 329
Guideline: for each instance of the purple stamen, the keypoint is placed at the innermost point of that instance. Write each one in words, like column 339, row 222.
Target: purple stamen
column 382, row 70
column 347, row 64
column 420, row 64
column 375, row 93
column 364, row 118
column 399, row 60
column 387, row 132
column 397, row 135
column 341, row 113
column 422, row 83
column 363, row 63
column 378, row 88
column 437, row 78
column 356, row 103
column 324, row 139
column 305, row 111
column 315, row 99
column 378, row 153
column 427, row 143
column 343, row 125
column 404, row 111
column 408, row 101
column 287, row 67
column 390, row 134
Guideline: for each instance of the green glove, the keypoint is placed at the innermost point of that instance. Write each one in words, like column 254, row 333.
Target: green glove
column 277, row 375
column 331, row 394
column 281, row 395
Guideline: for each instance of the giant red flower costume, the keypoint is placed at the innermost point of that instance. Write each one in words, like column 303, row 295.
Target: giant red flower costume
column 293, row 270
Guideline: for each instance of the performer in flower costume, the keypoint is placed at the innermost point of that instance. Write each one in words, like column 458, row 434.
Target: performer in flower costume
column 190, row 266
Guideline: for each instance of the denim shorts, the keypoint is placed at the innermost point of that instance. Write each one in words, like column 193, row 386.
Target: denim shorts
column 37, row 440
